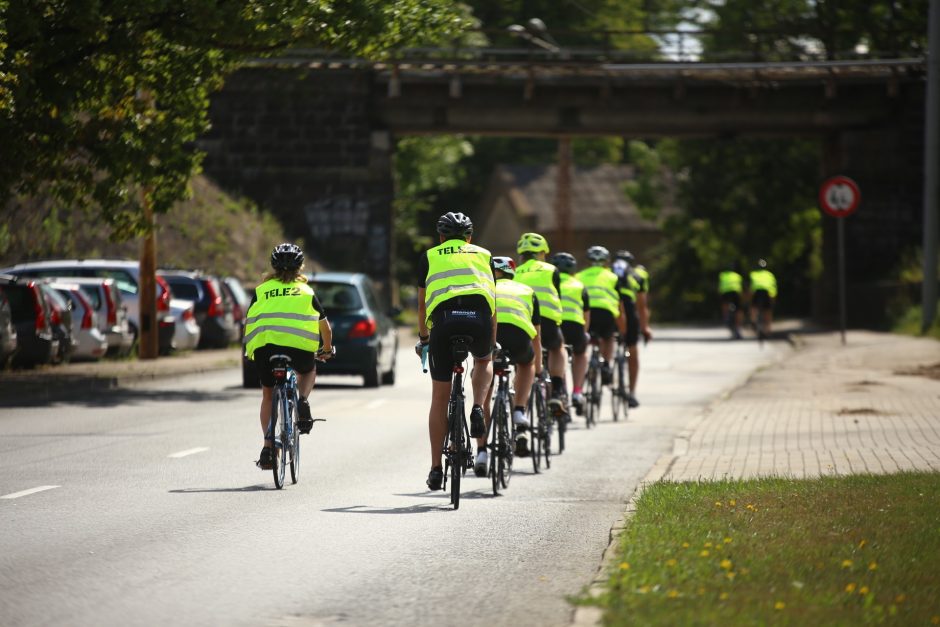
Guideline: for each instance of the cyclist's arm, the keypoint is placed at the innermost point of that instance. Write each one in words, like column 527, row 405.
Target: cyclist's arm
column 422, row 314
column 622, row 321
column 326, row 338
column 586, row 306
column 537, row 340
column 642, row 306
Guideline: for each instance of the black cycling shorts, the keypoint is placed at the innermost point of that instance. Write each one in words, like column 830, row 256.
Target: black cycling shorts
column 633, row 323
column 551, row 334
column 603, row 323
column 475, row 322
column 301, row 361
column 761, row 299
column 517, row 342
column 731, row 298
column 574, row 335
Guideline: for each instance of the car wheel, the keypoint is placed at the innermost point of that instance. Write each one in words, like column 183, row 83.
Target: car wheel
column 389, row 377
column 249, row 375
column 372, row 378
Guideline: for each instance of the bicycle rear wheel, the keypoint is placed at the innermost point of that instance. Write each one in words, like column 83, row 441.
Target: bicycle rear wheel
column 562, row 428
column 618, row 391
column 281, row 444
column 545, row 432
column 294, row 445
column 535, row 442
column 458, row 462
column 590, row 389
column 495, row 446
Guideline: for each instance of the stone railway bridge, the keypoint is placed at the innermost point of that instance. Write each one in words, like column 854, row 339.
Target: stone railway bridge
column 312, row 139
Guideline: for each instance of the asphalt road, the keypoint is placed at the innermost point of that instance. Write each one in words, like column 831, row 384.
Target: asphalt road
column 143, row 506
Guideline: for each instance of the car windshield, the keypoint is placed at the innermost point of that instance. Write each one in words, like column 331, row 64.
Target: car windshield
column 93, row 294
column 183, row 289
column 338, row 297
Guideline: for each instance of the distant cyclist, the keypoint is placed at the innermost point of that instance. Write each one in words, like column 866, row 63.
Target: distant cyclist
column 607, row 313
column 575, row 319
column 456, row 296
column 633, row 292
column 730, row 287
column 763, row 288
column 545, row 279
column 518, row 330
column 286, row 318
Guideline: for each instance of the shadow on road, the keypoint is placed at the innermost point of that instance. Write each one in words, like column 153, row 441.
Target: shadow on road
column 410, row 509
column 107, row 397
column 247, row 488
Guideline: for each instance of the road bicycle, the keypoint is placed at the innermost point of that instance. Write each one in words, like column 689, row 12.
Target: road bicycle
column 502, row 430
column 540, row 419
column 619, row 389
column 592, row 384
column 458, row 454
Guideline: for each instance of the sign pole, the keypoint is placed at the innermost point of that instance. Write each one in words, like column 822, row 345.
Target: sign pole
column 840, row 231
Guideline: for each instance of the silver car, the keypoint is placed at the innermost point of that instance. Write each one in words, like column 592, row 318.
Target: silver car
column 90, row 342
column 187, row 329
column 105, row 299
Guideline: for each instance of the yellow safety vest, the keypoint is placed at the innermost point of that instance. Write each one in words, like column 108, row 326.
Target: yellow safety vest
column 456, row 268
column 730, row 281
column 629, row 286
column 601, row 285
column 644, row 275
column 538, row 275
column 764, row 280
column 572, row 305
column 514, row 305
column 282, row 314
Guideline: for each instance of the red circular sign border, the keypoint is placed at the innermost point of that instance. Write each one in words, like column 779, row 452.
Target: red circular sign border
column 839, row 180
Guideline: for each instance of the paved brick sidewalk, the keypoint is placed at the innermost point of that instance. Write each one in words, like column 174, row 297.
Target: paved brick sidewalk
column 824, row 409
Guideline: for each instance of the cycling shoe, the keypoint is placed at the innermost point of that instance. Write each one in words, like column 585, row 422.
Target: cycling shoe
column 266, row 460
column 435, row 478
column 477, row 426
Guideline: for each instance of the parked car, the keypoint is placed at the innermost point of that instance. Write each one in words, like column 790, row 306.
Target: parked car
column 126, row 275
column 213, row 307
column 105, row 299
column 90, row 342
column 364, row 333
column 60, row 316
column 7, row 331
column 187, row 329
column 241, row 300
column 35, row 342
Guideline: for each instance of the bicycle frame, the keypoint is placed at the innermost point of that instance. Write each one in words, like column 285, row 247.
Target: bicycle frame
column 283, row 406
column 457, row 451
column 503, row 432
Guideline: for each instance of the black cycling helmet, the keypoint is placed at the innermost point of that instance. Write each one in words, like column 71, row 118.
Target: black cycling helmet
column 454, row 225
column 565, row 262
column 598, row 253
column 287, row 256
column 625, row 255
column 505, row 265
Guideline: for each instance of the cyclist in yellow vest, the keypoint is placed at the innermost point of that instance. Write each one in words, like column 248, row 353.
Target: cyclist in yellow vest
column 633, row 287
column 763, row 289
column 286, row 318
column 545, row 279
column 607, row 313
column 456, row 296
column 518, row 331
column 730, row 287
column 575, row 318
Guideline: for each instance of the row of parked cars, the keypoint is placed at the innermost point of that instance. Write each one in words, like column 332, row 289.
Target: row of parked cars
column 84, row 309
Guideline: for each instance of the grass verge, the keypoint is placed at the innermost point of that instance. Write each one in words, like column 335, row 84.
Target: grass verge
column 910, row 322
column 830, row 551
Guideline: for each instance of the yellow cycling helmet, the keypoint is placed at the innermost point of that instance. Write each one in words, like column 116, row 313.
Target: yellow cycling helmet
column 532, row 243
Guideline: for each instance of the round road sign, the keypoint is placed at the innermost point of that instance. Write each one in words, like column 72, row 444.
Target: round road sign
column 839, row 196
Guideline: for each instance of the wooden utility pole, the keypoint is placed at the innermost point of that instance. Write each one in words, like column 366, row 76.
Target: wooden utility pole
column 149, row 347
column 563, row 196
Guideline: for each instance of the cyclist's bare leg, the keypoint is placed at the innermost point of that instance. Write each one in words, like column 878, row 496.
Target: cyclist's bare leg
column 487, row 416
column 267, row 396
column 522, row 382
column 437, row 419
column 480, row 378
column 767, row 317
column 579, row 367
column 557, row 361
column 607, row 348
column 305, row 383
column 633, row 366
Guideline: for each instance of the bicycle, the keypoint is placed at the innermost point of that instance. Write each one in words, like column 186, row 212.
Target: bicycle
column 592, row 384
column 540, row 419
column 618, row 393
column 458, row 454
column 503, row 431
column 282, row 429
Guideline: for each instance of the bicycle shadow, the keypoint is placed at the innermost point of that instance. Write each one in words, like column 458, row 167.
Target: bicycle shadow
column 442, row 506
column 250, row 488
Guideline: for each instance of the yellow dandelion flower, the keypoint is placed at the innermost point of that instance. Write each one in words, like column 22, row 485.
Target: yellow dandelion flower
column 708, row 545
column 901, row 598
column 732, row 502
column 723, row 596
column 850, row 588
column 717, row 503
column 643, row 589
column 686, row 545
column 672, row 594
column 847, row 563
column 750, row 507
column 727, row 540
column 779, row 605
column 624, row 566
column 726, row 564
column 730, row 575
column 704, row 553
column 863, row 590
column 862, row 544
column 873, row 566
column 671, row 562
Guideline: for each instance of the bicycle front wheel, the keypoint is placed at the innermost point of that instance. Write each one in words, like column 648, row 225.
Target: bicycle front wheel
column 294, row 446
column 279, row 414
column 532, row 412
column 617, row 390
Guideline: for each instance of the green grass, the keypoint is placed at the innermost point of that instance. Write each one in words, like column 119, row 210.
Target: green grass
column 910, row 322
column 833, row 551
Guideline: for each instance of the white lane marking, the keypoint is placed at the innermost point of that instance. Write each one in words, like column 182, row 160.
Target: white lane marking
column 42, row 488
column 376, row 403
column 189, row 451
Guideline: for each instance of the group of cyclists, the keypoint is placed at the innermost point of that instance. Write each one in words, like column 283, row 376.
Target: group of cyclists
column 759, row 294
column 538, row 304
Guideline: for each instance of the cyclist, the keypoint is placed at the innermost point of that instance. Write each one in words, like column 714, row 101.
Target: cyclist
column 545, row 279
column 607, row 313
column 575, row 319
column 518, row 330
column 763, row 289
column 730, row 286
column 285, row 317
column 632, row 288
column 456, row 296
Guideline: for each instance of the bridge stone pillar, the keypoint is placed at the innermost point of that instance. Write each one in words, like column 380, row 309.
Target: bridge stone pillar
column 300, row 142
